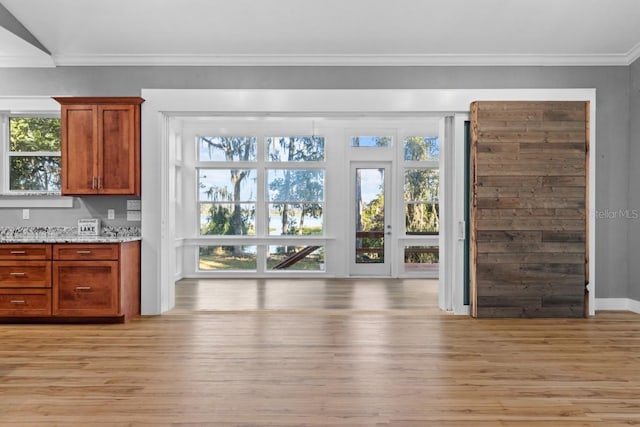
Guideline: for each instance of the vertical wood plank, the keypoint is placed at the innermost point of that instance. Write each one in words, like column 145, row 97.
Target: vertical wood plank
column 473, row 238
column 586, row 204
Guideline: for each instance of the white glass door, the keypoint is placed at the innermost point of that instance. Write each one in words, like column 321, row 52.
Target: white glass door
column 370, row 230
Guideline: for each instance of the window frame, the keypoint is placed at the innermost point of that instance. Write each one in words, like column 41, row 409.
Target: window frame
column 26, row 107
column 7, row 154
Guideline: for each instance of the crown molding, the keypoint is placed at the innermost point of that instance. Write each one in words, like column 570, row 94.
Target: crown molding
column 40, row 61
column 450, row 60
column 633, row 54
column 343, row 60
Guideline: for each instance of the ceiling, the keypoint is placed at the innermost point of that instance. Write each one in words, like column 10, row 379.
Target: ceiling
column 47, row 33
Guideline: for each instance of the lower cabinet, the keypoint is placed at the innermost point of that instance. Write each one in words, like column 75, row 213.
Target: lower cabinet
column 70, row 281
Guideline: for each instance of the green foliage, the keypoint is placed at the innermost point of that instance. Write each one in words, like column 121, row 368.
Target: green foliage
column 303, row 186
column 417, row 148
column 420, row 255
column 227, row 258
column 372, row 217
column 233, row 148
column 296, row 149
column 227, row 219
column 31, row 135
column 421, row 195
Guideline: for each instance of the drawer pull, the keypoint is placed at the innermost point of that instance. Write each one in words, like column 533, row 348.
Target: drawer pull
column 83, row 288
column 17, row 301
column 18, row 252
column 18, row 274
column 83, row 252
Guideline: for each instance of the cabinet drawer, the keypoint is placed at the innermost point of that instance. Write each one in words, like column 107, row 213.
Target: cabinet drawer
column 86, row 252
column 83, row 288
column 29, row 252
column 25, row 274
column 25, row 302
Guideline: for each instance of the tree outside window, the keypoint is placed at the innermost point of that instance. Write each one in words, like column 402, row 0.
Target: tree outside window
column 34, row 154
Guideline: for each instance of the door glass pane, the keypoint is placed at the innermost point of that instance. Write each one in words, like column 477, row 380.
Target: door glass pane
column 370, row 215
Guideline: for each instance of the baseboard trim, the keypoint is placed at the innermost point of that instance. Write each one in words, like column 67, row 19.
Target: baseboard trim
column 620, row 304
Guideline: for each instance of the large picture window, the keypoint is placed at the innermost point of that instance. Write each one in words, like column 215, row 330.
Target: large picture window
column 255, row 188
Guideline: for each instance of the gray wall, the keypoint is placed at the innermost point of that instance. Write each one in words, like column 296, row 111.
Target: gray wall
column 83, row 207
column 633, row 223
column 612, row 126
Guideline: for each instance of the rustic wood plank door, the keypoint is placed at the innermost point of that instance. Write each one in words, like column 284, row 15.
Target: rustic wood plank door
column 529, row 247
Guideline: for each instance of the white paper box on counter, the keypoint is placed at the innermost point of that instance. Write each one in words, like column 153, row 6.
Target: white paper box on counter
column 89, row 227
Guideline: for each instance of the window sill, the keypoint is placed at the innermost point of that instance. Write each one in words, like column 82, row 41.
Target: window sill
column 31, row 200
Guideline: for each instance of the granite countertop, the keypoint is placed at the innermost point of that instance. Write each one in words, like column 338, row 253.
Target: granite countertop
column 67, row 235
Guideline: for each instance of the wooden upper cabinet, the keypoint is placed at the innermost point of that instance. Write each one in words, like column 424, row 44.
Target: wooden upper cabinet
column 100, row 145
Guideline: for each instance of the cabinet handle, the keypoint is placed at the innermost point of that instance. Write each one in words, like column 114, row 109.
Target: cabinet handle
column 83, row 288
column 18, row 274
column 17, row 301
column 83, row 252
column 93, row 182
column 18, row 252
column 99, row 183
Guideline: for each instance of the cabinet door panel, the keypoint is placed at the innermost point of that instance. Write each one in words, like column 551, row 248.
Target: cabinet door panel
column 79, row 149
column 118, row 165
column 83, row 288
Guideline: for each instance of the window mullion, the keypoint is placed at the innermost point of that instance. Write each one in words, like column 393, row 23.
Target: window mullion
column 34, row 153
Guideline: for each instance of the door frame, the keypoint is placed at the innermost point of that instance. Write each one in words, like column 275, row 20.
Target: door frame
column 159, row 244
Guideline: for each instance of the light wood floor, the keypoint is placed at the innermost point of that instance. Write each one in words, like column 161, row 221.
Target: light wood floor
column 308, row 294
column 299, row 365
